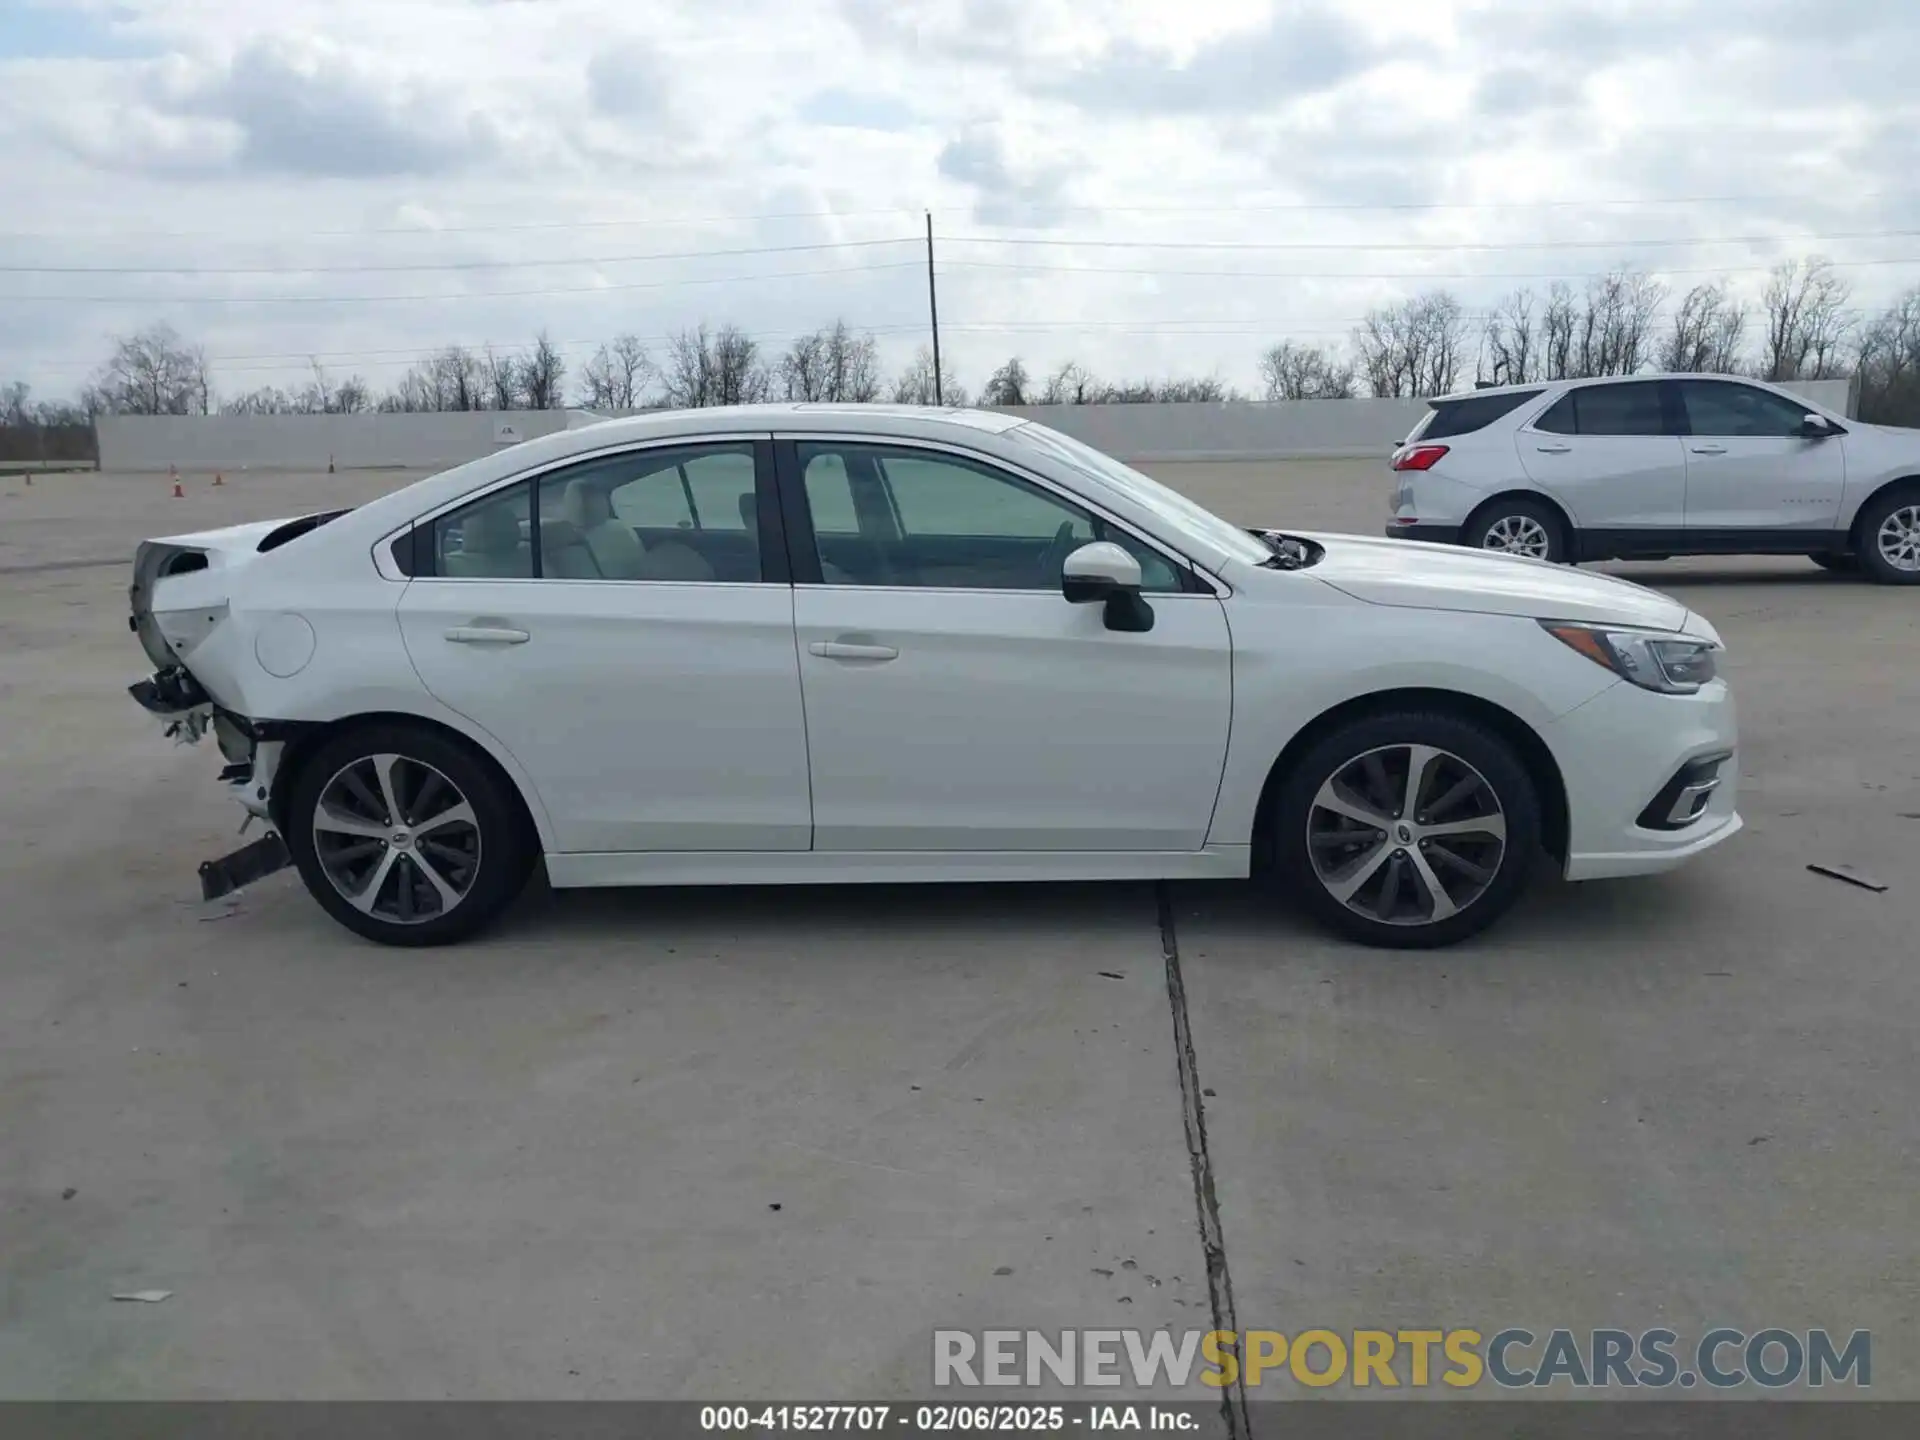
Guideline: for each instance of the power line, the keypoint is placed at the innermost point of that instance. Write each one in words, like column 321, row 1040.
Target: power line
column 1088, row 208
column 413, row 268
column 1378, row 274
column 1089, row 242
column 608, row 288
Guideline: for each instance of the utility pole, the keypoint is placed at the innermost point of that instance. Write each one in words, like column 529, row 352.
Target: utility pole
column 933, row 314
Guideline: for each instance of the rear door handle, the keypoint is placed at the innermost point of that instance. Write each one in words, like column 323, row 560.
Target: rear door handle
column 487, row 635
column 849, row 650
column 1708, row 449
column 1553, row 449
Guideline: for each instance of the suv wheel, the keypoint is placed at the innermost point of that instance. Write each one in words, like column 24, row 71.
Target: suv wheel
column 1410, row 830
column 1889, row 547
column 406, row 837
column 1518, row 527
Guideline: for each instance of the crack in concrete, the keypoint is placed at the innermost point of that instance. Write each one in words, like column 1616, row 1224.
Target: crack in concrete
column 1213, row 1242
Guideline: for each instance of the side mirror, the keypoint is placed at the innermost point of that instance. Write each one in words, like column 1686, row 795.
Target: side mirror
column 1815, row 427
column 1105, row 573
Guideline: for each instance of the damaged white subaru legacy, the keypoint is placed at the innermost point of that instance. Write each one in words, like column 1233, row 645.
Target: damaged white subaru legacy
column 818, row 644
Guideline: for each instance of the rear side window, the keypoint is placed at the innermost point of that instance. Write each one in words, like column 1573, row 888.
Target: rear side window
column 1632, row 409
column 1475, row 412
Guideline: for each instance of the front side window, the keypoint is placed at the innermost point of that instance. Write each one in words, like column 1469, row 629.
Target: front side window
column 1716, row 407
column 898, row 516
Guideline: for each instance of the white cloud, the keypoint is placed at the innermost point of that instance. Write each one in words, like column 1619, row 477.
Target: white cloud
column 242, row 133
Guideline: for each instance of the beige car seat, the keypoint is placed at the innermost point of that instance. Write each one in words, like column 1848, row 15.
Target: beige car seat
column 617, row 550
column 491, row 546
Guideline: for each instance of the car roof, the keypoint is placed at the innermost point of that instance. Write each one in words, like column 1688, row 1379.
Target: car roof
column 905, row 420
column 1581, row 382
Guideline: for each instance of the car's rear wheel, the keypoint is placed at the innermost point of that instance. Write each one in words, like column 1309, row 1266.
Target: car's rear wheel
column 1410, row 829
column 1889, row 538
column 1518, row 527
column 1838, row 561
column 405, row 836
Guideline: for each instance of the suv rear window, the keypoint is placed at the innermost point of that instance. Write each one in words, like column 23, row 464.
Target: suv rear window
column 1474, row 412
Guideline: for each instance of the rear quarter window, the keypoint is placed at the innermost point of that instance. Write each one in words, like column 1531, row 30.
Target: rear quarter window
column 1474, row 412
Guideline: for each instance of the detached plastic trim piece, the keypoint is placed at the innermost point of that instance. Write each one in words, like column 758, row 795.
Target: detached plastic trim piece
column 244, row 866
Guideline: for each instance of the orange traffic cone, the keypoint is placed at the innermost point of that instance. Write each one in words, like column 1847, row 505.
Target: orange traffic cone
column 329, row 464
column 178, row 493
column 216, row 478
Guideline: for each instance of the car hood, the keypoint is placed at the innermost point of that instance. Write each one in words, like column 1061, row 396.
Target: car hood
column 1443, row 577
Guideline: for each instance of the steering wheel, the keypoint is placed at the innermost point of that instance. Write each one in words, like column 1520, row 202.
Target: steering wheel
column 1053, row 559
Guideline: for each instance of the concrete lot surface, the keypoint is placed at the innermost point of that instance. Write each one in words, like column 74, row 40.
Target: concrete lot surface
column 718, row 1144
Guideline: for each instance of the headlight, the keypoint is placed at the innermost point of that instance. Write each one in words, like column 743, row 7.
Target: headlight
column 1671, row 664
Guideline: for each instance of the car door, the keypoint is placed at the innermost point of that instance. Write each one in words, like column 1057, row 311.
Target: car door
column 1748, row 468
column 638, row 662
column 955, row 700
column 1611, row 455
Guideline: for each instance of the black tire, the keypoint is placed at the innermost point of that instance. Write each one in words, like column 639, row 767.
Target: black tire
column 1486, row 523
column 505, row 847
column 1839, row 562
column 1874, row 564
column 1461, row 740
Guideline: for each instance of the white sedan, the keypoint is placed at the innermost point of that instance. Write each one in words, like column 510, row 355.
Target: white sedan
column 853, row 643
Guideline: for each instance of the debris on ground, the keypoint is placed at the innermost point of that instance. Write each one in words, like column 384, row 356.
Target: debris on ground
column 1848, row 874
column 145, row 1297
column 68, row 1193
column 1109, row 975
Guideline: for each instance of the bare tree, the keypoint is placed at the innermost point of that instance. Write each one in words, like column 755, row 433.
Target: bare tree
column 1008, row 385
column 1889, row 364
column 500, row 376
column 267, row 400
column 1557, row 325
column 543, row 376
column 718, row 368
column 154, row 372
column 832, row 365
column 1414, row 347
column 915, row 384
column 1805, row 309
column 1305, row 372
column 1071, row 384
column 1708, row 329
column 616, row 376
column 1615, row 329
column 1511, row 345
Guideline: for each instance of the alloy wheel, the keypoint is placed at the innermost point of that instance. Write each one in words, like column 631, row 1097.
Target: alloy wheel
column 1518, row 535
column 1406, row 834
column 396, row 838
column 1899, row 538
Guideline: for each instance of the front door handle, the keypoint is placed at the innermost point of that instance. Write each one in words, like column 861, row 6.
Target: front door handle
column 851, row 650
column 1553, row 449
column 1708, row 449
column 487, row 635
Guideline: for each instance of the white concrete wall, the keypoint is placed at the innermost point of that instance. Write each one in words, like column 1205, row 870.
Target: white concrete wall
column 196, row 443
column 1277, row 430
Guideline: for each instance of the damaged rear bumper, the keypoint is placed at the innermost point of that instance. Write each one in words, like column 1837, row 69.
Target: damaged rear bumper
column 252, row 751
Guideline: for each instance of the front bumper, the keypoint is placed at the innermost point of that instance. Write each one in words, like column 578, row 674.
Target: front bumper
column 1438, row 534
column 1619, row 753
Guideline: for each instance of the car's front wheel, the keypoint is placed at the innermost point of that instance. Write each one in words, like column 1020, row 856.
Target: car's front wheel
column 1889, row 536
column 1518, row 527
column 1410, row 829
column 405, row 836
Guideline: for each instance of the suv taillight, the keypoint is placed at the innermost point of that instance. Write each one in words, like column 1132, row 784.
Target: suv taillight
column 1418, row 457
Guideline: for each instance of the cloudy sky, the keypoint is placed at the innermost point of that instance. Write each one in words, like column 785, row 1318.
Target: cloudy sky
column 1145, row 186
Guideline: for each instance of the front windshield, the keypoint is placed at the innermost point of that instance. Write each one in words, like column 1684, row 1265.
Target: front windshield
column 1144, row 490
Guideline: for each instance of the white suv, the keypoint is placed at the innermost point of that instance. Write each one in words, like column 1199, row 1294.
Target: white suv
column 1661, row 465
